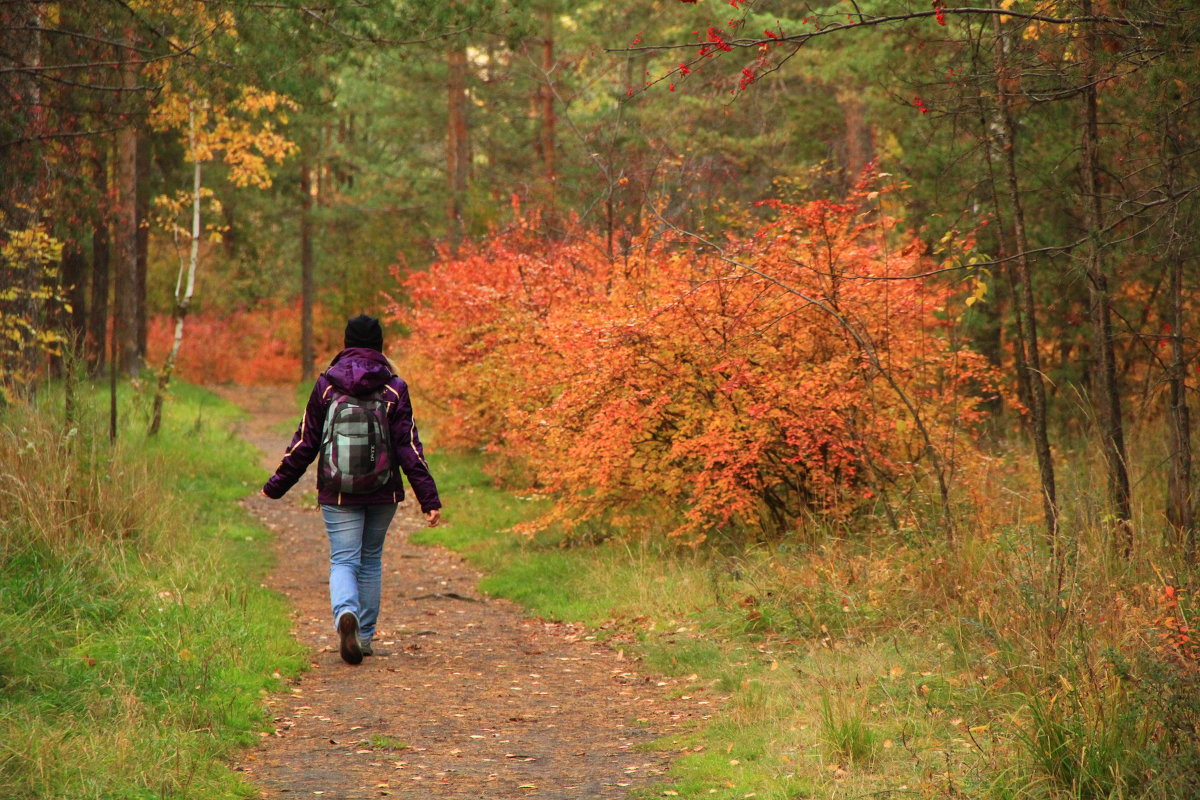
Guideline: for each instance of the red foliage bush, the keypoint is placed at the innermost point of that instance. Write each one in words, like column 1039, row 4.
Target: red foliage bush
column 739, row 387
column 248, row 347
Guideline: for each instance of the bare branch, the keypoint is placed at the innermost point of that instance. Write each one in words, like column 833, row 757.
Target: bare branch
column 869, row 22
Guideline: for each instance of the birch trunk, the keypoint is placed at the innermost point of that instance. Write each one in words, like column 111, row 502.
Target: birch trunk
column 184, row 287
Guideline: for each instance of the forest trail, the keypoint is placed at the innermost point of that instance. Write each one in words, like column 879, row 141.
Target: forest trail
column 465, row 698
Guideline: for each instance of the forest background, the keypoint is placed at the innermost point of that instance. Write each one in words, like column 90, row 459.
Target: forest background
column 907, row 282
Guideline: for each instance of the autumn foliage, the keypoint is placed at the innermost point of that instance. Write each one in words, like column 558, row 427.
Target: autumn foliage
column 250, row 346
column 737, row 386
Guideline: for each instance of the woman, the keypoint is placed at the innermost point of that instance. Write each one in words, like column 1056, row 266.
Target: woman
column 362, row 444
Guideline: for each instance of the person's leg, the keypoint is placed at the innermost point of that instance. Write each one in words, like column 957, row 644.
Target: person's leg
column 370, row 572
column 344, row 524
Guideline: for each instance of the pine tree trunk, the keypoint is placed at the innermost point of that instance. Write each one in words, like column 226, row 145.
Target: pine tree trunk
column 142, row 211
column 126, row 230
column 74, row 278
column 97, row 323
column 1105, row 372
column 457, row 147
column 858, row 139
column 308, row 355
column 546, row 98
column 1179, row 510
column 1024, row 302
column 1180, row 515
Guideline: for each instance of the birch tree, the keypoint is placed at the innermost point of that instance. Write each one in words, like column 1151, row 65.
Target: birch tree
column 243, row 134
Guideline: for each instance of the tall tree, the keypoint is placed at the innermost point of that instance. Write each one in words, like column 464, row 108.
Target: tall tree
column 125, row 222
column 458, row 158
column 240, row 127
column 1108, row 398
column 97, row 326
column 1030, row 374
column 308, row 355
column 546, row 106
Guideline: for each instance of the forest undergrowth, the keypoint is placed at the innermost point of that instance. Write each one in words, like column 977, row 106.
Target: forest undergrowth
column 136, row 641
column 864, row 661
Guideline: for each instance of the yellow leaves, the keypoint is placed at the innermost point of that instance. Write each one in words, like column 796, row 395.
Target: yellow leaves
column 254, row 101
column 216, row 119
column 978, row 292
column 173, row 214
column 30, row 248
column 32, row 289
column 242, row 132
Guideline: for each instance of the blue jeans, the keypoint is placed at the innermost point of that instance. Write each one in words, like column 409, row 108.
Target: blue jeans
column 356, row 535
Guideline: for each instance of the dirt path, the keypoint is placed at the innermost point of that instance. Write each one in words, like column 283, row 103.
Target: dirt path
column 463, row 699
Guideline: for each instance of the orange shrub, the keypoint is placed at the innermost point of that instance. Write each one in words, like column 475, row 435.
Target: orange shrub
column 248, row 347
column 735, row 388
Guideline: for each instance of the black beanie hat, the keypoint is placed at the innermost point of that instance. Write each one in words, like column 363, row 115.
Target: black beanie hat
column 364, row 331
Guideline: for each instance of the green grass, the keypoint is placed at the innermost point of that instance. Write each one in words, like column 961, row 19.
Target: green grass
column 807, row 700
column 381, row 742
column 877, row 666
column 847, row 736
column 136, row 642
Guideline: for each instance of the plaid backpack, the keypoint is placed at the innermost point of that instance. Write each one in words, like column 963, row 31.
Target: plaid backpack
column 356, row 451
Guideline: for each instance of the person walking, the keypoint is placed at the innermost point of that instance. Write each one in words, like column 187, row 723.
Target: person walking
column 359, row 423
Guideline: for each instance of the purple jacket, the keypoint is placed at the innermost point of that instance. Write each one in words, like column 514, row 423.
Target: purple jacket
column 359, row 371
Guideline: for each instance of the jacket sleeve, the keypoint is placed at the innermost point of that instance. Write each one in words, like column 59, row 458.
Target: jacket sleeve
column 406, row 444
column 306, row 444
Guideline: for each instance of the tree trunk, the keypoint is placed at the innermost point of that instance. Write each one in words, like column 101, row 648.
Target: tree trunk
column 74, row 277
column 126, row 231
column 1179, row 510
column 1024, row 303
column 546, row 103
column 1180, row 515
column 142, row 206
column 185, row 285
column 25, row 182
column 1105, row 373
column 97, row 324
column 112, row 381
column 457, row 148
column 858, row 138
column 308, row 355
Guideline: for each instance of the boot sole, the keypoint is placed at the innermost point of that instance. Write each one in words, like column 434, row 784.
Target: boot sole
column 348, row 630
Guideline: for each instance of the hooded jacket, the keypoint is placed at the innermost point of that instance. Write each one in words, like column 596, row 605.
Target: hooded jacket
column 359, row 371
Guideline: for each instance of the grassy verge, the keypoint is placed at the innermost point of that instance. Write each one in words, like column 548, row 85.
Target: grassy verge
column 136, row 641
column 885, row 666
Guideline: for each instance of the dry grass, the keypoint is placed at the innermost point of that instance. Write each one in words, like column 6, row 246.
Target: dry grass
column 882, row 662
column 134, row 634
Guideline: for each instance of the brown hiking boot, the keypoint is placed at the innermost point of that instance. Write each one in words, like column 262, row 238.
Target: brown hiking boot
column 348, row 631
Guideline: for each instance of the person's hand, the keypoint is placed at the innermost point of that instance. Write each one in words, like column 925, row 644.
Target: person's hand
column 434, row 517
column 263, row 492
